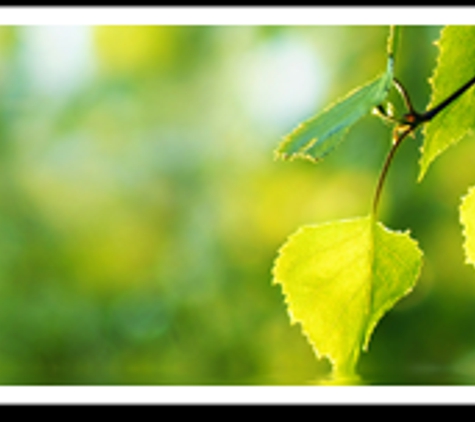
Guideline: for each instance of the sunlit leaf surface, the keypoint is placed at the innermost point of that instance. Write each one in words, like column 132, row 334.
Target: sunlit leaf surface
column 467, row 218
column 454, row 68
column 340, row 278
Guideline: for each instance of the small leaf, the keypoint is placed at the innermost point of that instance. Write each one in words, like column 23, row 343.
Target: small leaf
column 454, row 68
column 340, row 278
column 467, row 218
column 316, row 137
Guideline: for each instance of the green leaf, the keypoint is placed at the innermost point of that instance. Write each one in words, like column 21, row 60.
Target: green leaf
column 340, row 278
column 393, row 40
column 455, row 66
column 319, row 135
column 467, row 218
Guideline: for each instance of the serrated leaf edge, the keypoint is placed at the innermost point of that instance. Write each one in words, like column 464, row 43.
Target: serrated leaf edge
column 275, row 281
column 463, row 223
column 424, row 166
column 278, row 154
column 391, row 304
column 369, row 330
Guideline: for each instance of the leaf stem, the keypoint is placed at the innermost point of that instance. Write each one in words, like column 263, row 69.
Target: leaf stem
column 382, row 176
column 408, row 124
column 405, row 95
column 428, row 115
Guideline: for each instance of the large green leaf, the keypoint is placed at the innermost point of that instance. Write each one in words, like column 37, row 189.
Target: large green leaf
column 340, row 278
column 317, row 136
column 455, row 66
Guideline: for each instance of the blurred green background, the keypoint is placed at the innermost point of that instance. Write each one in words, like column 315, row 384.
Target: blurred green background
column 141, row 207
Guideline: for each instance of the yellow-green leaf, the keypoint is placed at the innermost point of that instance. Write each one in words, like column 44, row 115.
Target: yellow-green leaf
column 467, row 218
column 340, row 278
column 454, row 68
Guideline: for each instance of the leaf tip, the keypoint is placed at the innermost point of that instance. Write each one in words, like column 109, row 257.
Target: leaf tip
column 279, row 155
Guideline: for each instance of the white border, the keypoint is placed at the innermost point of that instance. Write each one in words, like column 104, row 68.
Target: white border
column 237, row 395
column 246, row 15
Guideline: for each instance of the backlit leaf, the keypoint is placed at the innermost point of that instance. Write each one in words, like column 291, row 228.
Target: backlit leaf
column 340, row 278
column 454, row 68
column 319, row 135
column 467, row 218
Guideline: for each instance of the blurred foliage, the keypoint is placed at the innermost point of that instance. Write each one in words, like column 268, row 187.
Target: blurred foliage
column 141, row 208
